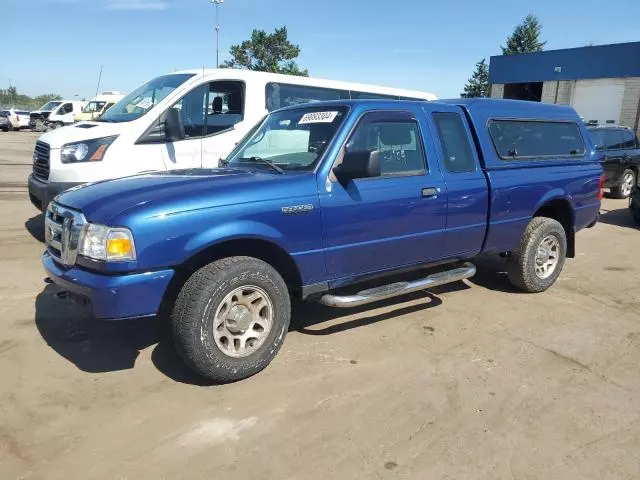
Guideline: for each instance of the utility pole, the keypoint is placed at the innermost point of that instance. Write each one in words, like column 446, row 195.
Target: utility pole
column 217, row 4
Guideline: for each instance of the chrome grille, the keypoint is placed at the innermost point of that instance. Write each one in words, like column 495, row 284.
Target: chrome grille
column 41, row 160
column 63, row 228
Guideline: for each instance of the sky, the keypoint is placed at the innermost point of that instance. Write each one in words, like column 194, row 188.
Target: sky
column 58, row 46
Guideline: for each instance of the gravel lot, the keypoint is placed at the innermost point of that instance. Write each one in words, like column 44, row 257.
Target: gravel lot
column 471, row 381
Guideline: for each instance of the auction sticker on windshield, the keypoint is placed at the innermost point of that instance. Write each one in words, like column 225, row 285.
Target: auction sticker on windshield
column 318, row 117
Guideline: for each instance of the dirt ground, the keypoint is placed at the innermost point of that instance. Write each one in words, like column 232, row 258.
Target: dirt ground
column 471, row 381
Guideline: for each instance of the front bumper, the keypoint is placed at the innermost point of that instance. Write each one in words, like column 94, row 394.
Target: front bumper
column 113, row 297
column 41, row 193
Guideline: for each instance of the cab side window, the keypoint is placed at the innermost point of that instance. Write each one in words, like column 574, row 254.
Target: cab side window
column 67, row 108
column 396, row 138
column 455, row 143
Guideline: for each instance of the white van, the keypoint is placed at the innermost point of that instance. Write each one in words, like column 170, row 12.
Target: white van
column 188, row 119
column 98, row 105
column 57, row 113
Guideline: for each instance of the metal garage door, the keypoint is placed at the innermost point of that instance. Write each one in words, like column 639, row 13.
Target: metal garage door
column 599, row 100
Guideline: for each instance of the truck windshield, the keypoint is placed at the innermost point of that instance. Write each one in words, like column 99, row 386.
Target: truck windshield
column 143, row 98
column 292, row 140
column 50, row 106
column 93, row 107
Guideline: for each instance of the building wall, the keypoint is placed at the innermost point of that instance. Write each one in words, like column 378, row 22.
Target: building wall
column 497, row 90
column 630, row 102
column 563, row 87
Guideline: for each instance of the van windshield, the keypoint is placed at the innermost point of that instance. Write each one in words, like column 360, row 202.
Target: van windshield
column 50, row 106
column 289, row 139
column 143, row 98
column 93, row 106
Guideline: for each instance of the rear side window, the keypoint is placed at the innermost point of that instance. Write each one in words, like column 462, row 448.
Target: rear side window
column 524, row 139
column 280, row 95
column 455, row 143
column 365, row 95
column 628, row 139
column 605, row 139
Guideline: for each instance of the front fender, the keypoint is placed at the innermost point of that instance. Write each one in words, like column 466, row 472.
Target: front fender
column 245, row 229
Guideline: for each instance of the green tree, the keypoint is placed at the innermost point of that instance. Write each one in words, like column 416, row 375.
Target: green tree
column 525, row 37
column 478, row 84
column 267, row 52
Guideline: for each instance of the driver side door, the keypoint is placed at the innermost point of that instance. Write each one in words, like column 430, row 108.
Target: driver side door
column 187, row 153
column 395, row 220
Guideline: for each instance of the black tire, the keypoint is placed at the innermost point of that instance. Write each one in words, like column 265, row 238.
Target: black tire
column 618, row 190
column 521, row 263
column 200, row 297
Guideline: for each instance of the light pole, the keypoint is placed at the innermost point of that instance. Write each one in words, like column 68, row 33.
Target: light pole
column 217, row 4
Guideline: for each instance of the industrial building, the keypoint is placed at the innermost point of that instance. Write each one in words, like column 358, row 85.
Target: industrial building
column 601, row 82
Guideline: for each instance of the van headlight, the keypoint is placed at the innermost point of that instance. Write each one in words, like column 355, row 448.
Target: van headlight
column 108, row 244
column 86, row 151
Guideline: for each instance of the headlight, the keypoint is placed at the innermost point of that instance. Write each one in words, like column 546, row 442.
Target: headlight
column 109, row 244
column 87, row 151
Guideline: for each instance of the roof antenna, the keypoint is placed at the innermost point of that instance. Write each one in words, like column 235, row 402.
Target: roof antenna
column 99, row 79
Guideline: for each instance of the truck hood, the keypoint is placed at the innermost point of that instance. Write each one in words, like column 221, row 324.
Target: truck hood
column 178, row 191
column 81, row 131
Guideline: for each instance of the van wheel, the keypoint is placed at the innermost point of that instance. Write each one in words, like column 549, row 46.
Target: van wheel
column 539, row 259
column 231, row 318
column 626, row 185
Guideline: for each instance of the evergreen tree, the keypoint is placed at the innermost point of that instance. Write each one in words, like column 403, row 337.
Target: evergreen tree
column 525, row 37
column 478, row 84
column 267, row 52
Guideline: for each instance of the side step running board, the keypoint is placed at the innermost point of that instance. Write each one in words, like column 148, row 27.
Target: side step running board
column 399, row 288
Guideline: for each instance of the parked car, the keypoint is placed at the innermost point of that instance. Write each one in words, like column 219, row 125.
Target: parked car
column 56, row 114
column 315, row 200
column 620, row 150
column 18, row 119
column 5, row 123
column 38, row 117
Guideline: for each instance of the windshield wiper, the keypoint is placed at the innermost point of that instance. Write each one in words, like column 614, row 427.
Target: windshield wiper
column 264, row 162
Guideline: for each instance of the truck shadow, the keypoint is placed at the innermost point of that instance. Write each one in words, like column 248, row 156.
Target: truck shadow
column 35, row 226
column 96, row 346
column 620, row 217
column 491, row 273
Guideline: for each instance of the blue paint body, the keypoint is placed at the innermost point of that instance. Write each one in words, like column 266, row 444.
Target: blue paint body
column 602, row 61
column 368, row 227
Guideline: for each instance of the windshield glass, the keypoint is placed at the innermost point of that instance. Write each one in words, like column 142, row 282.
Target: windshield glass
column 143, row 98
column 93, row 107
column 50, row 107
column 290, row 139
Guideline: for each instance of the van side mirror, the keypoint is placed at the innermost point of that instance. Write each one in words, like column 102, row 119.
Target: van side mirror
column 173, row 126
column 358, row 164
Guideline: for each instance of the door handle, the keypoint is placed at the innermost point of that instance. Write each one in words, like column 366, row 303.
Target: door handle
column 430, row 192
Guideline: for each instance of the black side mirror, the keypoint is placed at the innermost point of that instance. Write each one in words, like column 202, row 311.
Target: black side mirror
column 358, row 164
column 173, row 126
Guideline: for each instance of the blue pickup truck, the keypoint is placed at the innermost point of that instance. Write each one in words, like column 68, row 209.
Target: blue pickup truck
column 318, row 199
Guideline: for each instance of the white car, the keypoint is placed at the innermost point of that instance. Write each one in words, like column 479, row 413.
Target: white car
column 18, row 119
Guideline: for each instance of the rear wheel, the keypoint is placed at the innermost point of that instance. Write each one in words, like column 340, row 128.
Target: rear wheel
column 626, row 185
column 539, row 259
column 230, row 318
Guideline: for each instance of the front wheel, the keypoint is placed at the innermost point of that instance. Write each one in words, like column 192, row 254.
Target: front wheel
column 539, row 259
column 231, row 318
column 626, row 185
